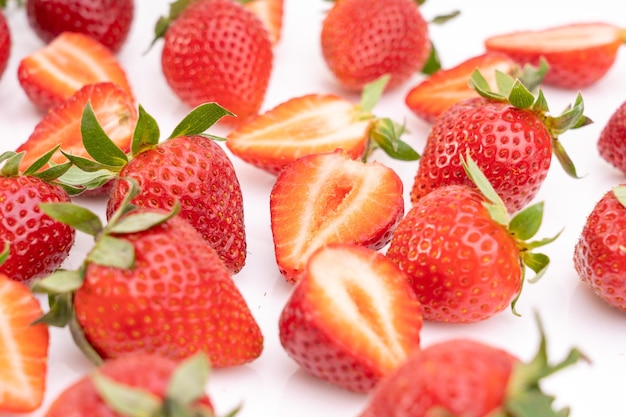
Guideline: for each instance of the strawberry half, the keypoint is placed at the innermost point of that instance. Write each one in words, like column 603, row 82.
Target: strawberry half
column 352, row 318
column 72, row 60
column 23, row 349
column 330, row 198
column 271, row 14
column 114, row 109
column 578, row 54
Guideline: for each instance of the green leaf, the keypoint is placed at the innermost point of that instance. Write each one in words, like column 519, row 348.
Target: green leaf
column 620, row 193
column 561, row 155
column 85, row 180
column 6, row 251
column 113, row 252
column 125, row 400
column 532, row 76
column 542, row 242
column 444, row 18
column 89, row 165
column 479, row 83
column 540, row 105
column 570, row 118
column 41, row 161
column 143, row 221
column 433, row 62
column 60, row 281
column 146, row 134
column 189, row 380
column 496, row 208
column 53, row 172
column 520, row 97
column 504, row 82
column 385, row 134
column 526, row 223
column 11, row 165
column 372, row 92
column 200, row 119
column 96, row 142
column 80, row 218
column 538, row 262
column 60, row 310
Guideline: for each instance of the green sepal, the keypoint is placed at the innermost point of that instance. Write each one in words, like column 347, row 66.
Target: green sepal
column 11, row 163
column 520, row 97
column 126, row 204
column 113, row 252
column 143, row 221
column 566, row 162
column 372, row 92
column 532, row 76
column 541, row 242
column 86, row 180
column 59, row 312
column 541, row 104
column 80, row 218
column 526, row 223
column 433, row 62
column 494, row 203
column 61, row 281
column 189, row 380
column 89, row 165
column 146, row 135
column 163, row 23
column 80, row 340
column 6, row 251
column 200, row 119
column 444, row 18
column 53, row 172
column 385, row 134
column 125, row 400
column 538, row 262
column 571, row 117
column 479, row 83
column 97, row 143
column 619, row 191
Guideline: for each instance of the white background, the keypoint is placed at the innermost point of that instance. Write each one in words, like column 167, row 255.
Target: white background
column 273, row 385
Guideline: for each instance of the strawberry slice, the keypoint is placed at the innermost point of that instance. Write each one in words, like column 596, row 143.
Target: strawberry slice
column 114, row 109
column 578, row 54
column 331, row 198
column 271, row 14
column 435, row 94
column 352, row 318
column 23, row 349
column 52, row 74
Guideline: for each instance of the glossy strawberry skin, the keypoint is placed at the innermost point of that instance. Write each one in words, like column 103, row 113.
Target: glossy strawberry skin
column 362, row 40
column 464, row 267
column 107, row 21
column 174, row 302
column 611, row 146
column 38, row 244
column 464, row 377
column 196, row 172
column 5, row 43
column 146, row 371
column 598, row 257
column 511, row 146
column 217, row 50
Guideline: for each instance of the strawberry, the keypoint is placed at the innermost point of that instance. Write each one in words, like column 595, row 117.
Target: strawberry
column 330, row 198
column 600, row 251
column 465, row 377
column 35, row 244
column 150, row 284
column 435, row 94
column 611, row 143
column 352, row 318
column 113, row 107
column 70, row 61
column 146, row 384
column 318, row 123
column 464, row 255
column 216, row 51
column 362, row 40
column 578, row 54
column 24, row 349
column 5, row 43
column 271, row 14
column 509, row 134
column 107, row 21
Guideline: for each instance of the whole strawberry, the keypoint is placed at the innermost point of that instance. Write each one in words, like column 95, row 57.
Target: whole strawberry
column 464, row 256
column 509, row 135
column 216, row 50
column 5, row 43
column 611, row 146
column 34, row 243
column 107, row 21
column 362, row 40
column 600, row 253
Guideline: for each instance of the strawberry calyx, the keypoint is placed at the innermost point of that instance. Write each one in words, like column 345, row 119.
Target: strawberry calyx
column 513, row 91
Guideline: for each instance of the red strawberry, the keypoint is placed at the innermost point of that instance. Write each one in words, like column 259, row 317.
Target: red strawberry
column 5, row 43
column 600, row 253
column 435, row 94
column 143, row 379
column 463, row 377
column 318, row 123
column 509, row 135
column 113, row 107
column 330, row 198
column 152, row 284
column 611, row 141
column 579, row 54
column 217, row 51
column 352, row 318
column 37, row 244
column 70, row 61
column 362, row 40
column 24, row 349
column 107, row 21
column 463, row 254
column 271, row 14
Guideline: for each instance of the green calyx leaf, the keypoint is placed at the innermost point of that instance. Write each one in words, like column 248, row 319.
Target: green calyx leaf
column 96, row 142
column 146, row 134
column 6, row 251
column 125, row 400
column 11, row 163
column 164, row 22
column 60, row 310
column 200, row 119
column 189, row 380
column 113, row 252
column 494, row 203
column 80, row 218
column 619, row 192
column 371, row 94
column 385, row 134
column 433, row 62
column 532, row 76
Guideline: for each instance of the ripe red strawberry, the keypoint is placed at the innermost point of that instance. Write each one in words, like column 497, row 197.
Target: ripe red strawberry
column 437, row 93
column 463, row 377
column 143, row 380
column 600, row 253
column 217, row 51
column 611, row 141
column 152, row 284
column 352, row 319
column 24, row 349
column 37, row 244
column 107, row 21
column 271, row 14
column 509, row 134
column 362, row 40
column 5, row 43
column 318, row 123
column 464, row 256
column 578, row 54
column 70, row 61
column 113, row 107
column 330, row 198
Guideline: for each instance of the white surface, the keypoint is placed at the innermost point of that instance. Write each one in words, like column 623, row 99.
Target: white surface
column 273, row 385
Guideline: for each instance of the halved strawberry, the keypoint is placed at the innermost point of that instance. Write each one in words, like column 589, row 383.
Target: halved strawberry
column 271, row 14
column 578, row 54
column 114, row 109
column 331, row 198
column 52, row 74
column 352, row 318
column 23, row 349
